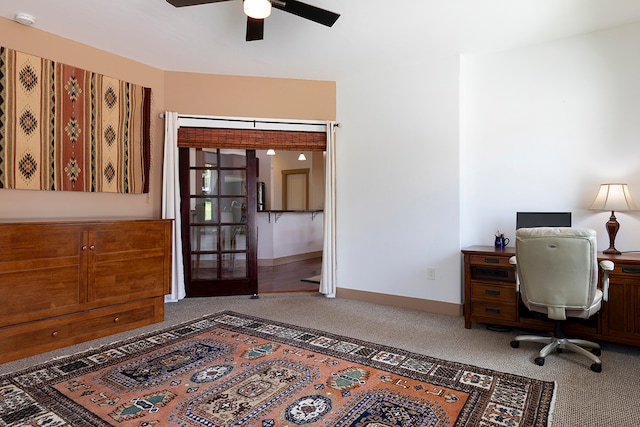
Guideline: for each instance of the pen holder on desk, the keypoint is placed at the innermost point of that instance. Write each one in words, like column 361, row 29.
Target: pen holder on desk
column 501, row 241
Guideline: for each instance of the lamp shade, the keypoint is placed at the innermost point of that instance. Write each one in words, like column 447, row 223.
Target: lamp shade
column 613, row 197
column 257, row 9
column 271, row 152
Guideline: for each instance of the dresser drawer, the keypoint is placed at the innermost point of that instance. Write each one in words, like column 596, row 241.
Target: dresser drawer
column 493, row 292
column 30, row 338
column 488, row 310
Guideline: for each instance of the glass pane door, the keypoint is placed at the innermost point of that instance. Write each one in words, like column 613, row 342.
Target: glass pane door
column 222, row 249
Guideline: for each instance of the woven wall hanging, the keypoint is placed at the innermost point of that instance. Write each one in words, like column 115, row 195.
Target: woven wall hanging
column 65, row 128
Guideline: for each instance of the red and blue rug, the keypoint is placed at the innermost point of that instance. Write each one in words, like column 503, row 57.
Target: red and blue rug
column 231, row 369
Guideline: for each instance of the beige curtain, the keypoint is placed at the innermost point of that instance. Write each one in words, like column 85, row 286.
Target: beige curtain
column 171, row 204
column 328, row 278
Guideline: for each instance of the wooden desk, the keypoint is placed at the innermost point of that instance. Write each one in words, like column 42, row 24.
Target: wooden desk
column 490, row 297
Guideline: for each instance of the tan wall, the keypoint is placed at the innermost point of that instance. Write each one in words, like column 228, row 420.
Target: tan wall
column 237, row 96
column 186, row 93
column 21, row 204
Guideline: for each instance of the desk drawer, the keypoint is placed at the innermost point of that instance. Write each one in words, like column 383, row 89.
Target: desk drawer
column 622, row 270
column 493, row 310
column 490, row 260
column 493, row 292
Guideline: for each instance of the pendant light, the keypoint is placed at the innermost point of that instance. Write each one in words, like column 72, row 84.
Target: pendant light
column 257, row 9
column 302, row 157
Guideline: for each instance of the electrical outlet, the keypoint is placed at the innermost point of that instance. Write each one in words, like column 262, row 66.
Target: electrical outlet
column 431, row 273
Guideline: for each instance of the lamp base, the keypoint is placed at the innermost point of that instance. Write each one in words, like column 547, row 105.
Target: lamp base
column 612, row 229
column 611, row 251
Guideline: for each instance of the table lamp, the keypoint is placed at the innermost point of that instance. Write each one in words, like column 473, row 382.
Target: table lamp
column 613, row 197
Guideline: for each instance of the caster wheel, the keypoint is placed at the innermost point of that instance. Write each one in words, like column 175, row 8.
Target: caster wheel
column 515, row 344
column 596, row 351
column 540, row 361
column 596, row 367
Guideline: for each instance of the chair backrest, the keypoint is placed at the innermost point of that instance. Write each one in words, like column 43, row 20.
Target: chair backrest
column 557, row 269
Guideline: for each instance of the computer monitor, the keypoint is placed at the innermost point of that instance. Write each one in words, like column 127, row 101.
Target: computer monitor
column 543, row 219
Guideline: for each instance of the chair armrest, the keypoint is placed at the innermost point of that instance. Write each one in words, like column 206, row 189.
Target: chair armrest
column 514, row 261
column 605, row 266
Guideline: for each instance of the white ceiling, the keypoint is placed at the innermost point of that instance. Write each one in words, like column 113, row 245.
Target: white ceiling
column 370, row 33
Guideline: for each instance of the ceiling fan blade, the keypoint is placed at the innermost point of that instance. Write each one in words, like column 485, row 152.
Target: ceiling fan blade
column 255, row 29
column 303, row 10
column 181, row 3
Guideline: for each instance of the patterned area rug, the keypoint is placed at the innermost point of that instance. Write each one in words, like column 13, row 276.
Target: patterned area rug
column 231, row 369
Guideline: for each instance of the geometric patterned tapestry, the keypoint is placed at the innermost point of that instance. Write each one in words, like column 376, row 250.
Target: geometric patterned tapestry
column 65, row 128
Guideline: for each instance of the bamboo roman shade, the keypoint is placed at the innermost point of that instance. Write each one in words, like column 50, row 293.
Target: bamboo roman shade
column 251, row 139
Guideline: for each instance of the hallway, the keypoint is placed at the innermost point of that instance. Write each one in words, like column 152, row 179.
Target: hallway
column 288, row 277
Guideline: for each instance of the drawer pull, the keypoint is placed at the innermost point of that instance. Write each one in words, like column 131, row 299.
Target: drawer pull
column 492, row 260
column 492, row 292
column 492, row 310
column 92, row 247
column 631, row 270
column 116, row 320
column 54, row 334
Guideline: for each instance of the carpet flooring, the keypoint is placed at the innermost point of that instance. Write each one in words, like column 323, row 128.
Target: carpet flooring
column 583, row 398
column 230, row 369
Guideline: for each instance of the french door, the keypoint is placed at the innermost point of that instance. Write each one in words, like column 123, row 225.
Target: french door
column 218, row 208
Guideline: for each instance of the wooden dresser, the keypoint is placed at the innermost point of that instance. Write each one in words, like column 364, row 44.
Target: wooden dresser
column 65, row 282
column 490, row 297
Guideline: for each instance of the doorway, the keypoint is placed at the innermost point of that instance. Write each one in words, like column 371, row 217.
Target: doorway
column 295, row 189
column 254, row 134
column 218, row 205
column 290, row 240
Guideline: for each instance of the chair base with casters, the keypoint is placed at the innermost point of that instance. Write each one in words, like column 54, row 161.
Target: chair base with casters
column 559, row 343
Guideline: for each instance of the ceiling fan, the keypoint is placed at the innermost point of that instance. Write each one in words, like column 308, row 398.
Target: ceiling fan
column 257, row 10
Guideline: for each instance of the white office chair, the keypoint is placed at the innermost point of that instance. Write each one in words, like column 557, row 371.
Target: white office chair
column 557, row 273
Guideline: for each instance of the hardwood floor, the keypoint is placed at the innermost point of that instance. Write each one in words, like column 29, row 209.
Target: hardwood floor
column 288, row 277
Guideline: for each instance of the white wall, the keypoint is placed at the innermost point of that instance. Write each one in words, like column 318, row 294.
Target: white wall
column 542, row 127
column 293, row 233
column 398, row 180
column 422, row 175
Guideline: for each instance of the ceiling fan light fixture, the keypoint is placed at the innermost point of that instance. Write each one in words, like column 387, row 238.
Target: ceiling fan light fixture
column 257, row 9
